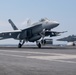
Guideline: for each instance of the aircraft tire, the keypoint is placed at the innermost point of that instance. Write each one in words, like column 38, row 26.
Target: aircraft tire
column 39, row 45
column 73, row 44
column 19, row 46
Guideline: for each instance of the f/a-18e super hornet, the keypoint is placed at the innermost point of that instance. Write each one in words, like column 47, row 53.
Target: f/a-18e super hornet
column 32, row 33
column 70, row 39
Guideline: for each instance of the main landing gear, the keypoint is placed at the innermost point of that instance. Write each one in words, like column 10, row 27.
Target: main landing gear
column 73, row 44
column 21, row 43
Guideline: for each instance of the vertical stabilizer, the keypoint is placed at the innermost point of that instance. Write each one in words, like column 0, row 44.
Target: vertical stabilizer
column 12, row 24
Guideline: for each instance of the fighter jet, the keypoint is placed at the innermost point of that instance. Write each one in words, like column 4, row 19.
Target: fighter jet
column 70, row 39
column 31, row 33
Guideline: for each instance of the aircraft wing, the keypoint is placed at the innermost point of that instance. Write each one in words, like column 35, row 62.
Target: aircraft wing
column 9, row 34
column 21, row 34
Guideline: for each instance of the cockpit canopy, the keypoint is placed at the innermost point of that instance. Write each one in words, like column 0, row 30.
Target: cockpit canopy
column 44, row 19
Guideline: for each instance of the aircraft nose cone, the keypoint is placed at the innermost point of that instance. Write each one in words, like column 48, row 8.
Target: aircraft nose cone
column 55, row 23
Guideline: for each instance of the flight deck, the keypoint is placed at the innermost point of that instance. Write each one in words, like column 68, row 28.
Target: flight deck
column 34, row 61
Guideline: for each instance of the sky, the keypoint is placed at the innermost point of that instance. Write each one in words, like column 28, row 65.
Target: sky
column 63, row 11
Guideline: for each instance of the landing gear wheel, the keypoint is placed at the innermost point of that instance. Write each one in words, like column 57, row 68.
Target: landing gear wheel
column 20, row 45
column 73, row 44
column 39, row 45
